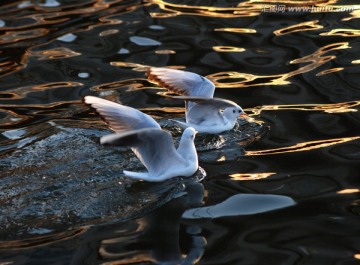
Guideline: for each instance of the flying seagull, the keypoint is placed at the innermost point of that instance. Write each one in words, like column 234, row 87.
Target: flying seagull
column 204, row 113
column 153, row 146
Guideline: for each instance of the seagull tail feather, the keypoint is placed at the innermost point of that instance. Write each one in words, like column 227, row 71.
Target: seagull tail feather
column 183, row 125
column 141, row 175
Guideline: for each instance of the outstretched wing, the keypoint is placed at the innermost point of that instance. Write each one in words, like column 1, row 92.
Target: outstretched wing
column 216, row 102
column 206, row 111
column 154, row 148
column 119, row 117
column 182, row 82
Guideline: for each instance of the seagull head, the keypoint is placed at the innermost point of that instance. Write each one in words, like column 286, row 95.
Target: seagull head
column 233, row 112
column 189, row 133
column 186, row 146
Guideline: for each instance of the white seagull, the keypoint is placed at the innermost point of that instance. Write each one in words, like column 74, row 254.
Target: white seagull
column 204, row 113
column 153, row 146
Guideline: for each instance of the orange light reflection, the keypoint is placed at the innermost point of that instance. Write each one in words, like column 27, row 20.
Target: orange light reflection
column 211, row 11
column 165, row 52
column 331, row 70
column 328, row 108
column 239, row 80
column 56, row 53
column 11, row 118
column 251, row 176
column 41, row 240
column 314, row 60
column 14, row 36
column 348, row 191
column 305, row 146
column 342, row 32
column 354, row 14
column 227, row 49
column 244, row 9
column 21, row 92
column 236, row 30
column 304, row 26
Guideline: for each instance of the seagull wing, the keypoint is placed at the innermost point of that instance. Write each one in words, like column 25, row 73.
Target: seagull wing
column 216, row 102
column 206, row 111
column 154, row 148
column 119, row 117
column 182, row 82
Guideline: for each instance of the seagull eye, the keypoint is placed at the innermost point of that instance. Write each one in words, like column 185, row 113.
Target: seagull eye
column 239, row 111
column 233, row 111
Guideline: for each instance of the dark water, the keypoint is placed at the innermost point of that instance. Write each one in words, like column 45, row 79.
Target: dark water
column 286, row 192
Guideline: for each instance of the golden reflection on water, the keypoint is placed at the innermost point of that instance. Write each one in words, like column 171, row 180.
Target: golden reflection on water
column 165, row 52
column 130, row 65
column 108, row 32
column 342, row 32
column 211, row 11
column 41, row 240
column 314, row 60
column 239, row 80
column 331, row 70
column 247, row 8
column 304, row 26
column 297, row 2
column 136, row 258
column 251, row 176
column 236, row 30
column 304, row 146
column 56, row 53
column 328, row 108
column 14, row 36
column 42, row 105
column 11, row 118
column 348, row 191
column 164, row 109
column 354, row 14
column 47, row 16
column 227, row 49
column 9, row 66
column 129, row 84
column 22, row 92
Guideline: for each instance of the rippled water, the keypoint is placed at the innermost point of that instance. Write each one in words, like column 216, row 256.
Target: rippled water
column 284, row 190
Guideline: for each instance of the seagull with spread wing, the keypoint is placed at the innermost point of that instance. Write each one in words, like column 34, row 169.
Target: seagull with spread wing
column 153, row 146
column 204, row 113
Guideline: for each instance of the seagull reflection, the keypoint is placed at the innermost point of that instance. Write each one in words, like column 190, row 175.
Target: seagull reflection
column 159, row 236
column 163, row 227
column 152, row 238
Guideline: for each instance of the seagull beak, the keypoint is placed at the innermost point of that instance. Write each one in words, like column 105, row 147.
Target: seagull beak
column 245, row 117
column 196, row 132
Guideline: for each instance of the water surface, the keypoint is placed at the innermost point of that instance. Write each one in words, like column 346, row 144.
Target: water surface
column 283, row 191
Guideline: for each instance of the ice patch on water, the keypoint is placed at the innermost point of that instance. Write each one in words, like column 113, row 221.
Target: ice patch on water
column 241, row 204
column 142, row 41
column 68, row 37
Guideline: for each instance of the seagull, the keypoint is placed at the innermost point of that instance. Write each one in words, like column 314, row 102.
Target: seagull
column 203, row 112
column 153, row 146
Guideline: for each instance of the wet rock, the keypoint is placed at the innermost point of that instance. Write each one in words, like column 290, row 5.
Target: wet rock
column 69, row 179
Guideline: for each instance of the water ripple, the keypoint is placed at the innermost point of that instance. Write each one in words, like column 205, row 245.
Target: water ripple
column 305, row 146
column 314, row 60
